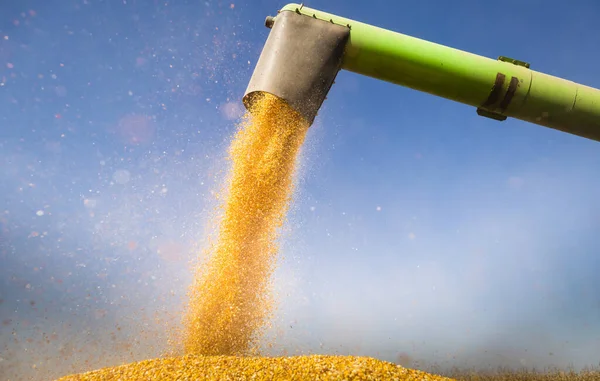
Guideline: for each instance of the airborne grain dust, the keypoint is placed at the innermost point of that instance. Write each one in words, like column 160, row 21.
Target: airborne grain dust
column 230, row 301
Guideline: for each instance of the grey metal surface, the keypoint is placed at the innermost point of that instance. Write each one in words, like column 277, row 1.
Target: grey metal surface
column 299, row 62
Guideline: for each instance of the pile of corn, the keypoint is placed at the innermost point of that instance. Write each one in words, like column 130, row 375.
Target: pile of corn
column 222, row 368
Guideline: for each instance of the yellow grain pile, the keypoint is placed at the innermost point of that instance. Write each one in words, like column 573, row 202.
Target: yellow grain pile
column 222, row 368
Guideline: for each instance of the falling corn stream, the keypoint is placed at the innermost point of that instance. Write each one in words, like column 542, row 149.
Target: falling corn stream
column 230, row 300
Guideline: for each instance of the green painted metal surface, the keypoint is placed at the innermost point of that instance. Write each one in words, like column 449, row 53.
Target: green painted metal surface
column 498, row 88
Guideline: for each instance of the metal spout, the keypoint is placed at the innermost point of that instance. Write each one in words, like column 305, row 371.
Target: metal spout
column 299, row 62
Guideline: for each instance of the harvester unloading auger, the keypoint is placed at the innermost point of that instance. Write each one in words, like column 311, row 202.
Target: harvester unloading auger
column 306, row 49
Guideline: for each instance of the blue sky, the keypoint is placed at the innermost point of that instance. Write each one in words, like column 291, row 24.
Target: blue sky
column 419, row 230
